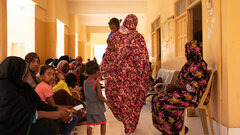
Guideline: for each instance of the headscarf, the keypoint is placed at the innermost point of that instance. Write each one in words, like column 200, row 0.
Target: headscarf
column 14, row 69
column 131, row 22
column 61, row 64
column 193, row 51
column 31, row 56
column 194, row 71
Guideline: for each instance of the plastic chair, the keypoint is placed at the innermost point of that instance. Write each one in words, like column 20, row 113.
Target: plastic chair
column 167, row 79
column 204, row 108
column 161, row 72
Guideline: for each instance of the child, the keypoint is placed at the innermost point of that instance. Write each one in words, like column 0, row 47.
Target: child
column 94, row 99
column 114, row 25
column 71, row 81
column 45, row 92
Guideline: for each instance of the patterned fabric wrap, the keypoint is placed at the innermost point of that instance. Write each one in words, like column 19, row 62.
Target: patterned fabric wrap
column 61, row 64
column 25, row 73
column 168, row 108
column 126, row 70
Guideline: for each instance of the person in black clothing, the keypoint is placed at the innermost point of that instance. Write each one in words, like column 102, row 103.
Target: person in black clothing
column 22, row 111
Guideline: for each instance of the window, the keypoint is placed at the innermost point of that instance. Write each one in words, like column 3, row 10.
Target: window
column 60, row 38
column 188, row 23
column 156, row 39
column 76, row 45
column 181, row 27
column 20, row 27
column 181, row 7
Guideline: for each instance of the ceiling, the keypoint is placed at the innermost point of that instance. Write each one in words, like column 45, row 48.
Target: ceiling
column 104, row 0
column 99, row 12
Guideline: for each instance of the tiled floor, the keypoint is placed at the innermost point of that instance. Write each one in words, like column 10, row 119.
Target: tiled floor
column 145, row 126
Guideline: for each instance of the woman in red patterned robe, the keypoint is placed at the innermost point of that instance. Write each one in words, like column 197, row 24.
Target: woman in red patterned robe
column 126, row 70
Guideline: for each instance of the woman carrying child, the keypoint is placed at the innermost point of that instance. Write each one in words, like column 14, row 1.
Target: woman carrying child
column 126, row 70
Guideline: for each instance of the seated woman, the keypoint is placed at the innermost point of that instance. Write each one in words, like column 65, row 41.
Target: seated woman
column 34, row 62
column 168, row 107
column 22, row 111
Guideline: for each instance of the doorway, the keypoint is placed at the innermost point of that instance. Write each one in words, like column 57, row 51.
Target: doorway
column 197, row 23
column 99, row 50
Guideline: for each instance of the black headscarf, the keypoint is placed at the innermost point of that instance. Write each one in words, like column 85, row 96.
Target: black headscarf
column 18, row 101
column 14, row 69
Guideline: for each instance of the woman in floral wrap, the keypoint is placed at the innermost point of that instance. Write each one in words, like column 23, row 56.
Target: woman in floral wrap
column 126, row 70
column 168, row 107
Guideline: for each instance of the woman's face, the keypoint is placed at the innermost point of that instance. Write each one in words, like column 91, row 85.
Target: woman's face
column 113, row 28
column 34, row 65
column 65, row 68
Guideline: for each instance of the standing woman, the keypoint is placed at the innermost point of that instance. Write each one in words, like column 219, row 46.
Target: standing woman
column 126, row 69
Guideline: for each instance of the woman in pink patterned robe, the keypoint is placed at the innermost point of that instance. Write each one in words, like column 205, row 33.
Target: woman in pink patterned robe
column 126, row 70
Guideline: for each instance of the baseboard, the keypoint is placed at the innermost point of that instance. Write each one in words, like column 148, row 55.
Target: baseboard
column 220, row 129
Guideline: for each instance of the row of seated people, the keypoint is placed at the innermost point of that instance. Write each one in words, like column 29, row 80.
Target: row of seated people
column 59, row 88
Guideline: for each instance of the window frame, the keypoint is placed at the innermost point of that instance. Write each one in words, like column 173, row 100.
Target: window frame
column 155, row 27
column 189, row 25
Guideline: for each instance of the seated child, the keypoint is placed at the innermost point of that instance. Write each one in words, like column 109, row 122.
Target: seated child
column 45, row 92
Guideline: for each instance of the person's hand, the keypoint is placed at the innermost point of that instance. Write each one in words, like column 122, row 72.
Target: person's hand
column 64, row 107
column 108, row 104
column 65, row 116
column 110, row 45
column 68, row 107
column 175, row 87
column 108, row 42
column 69, row 110
column 77, row 88
column 61, row 108
column 171, row 87
column 74, row 111
column 99, row 77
